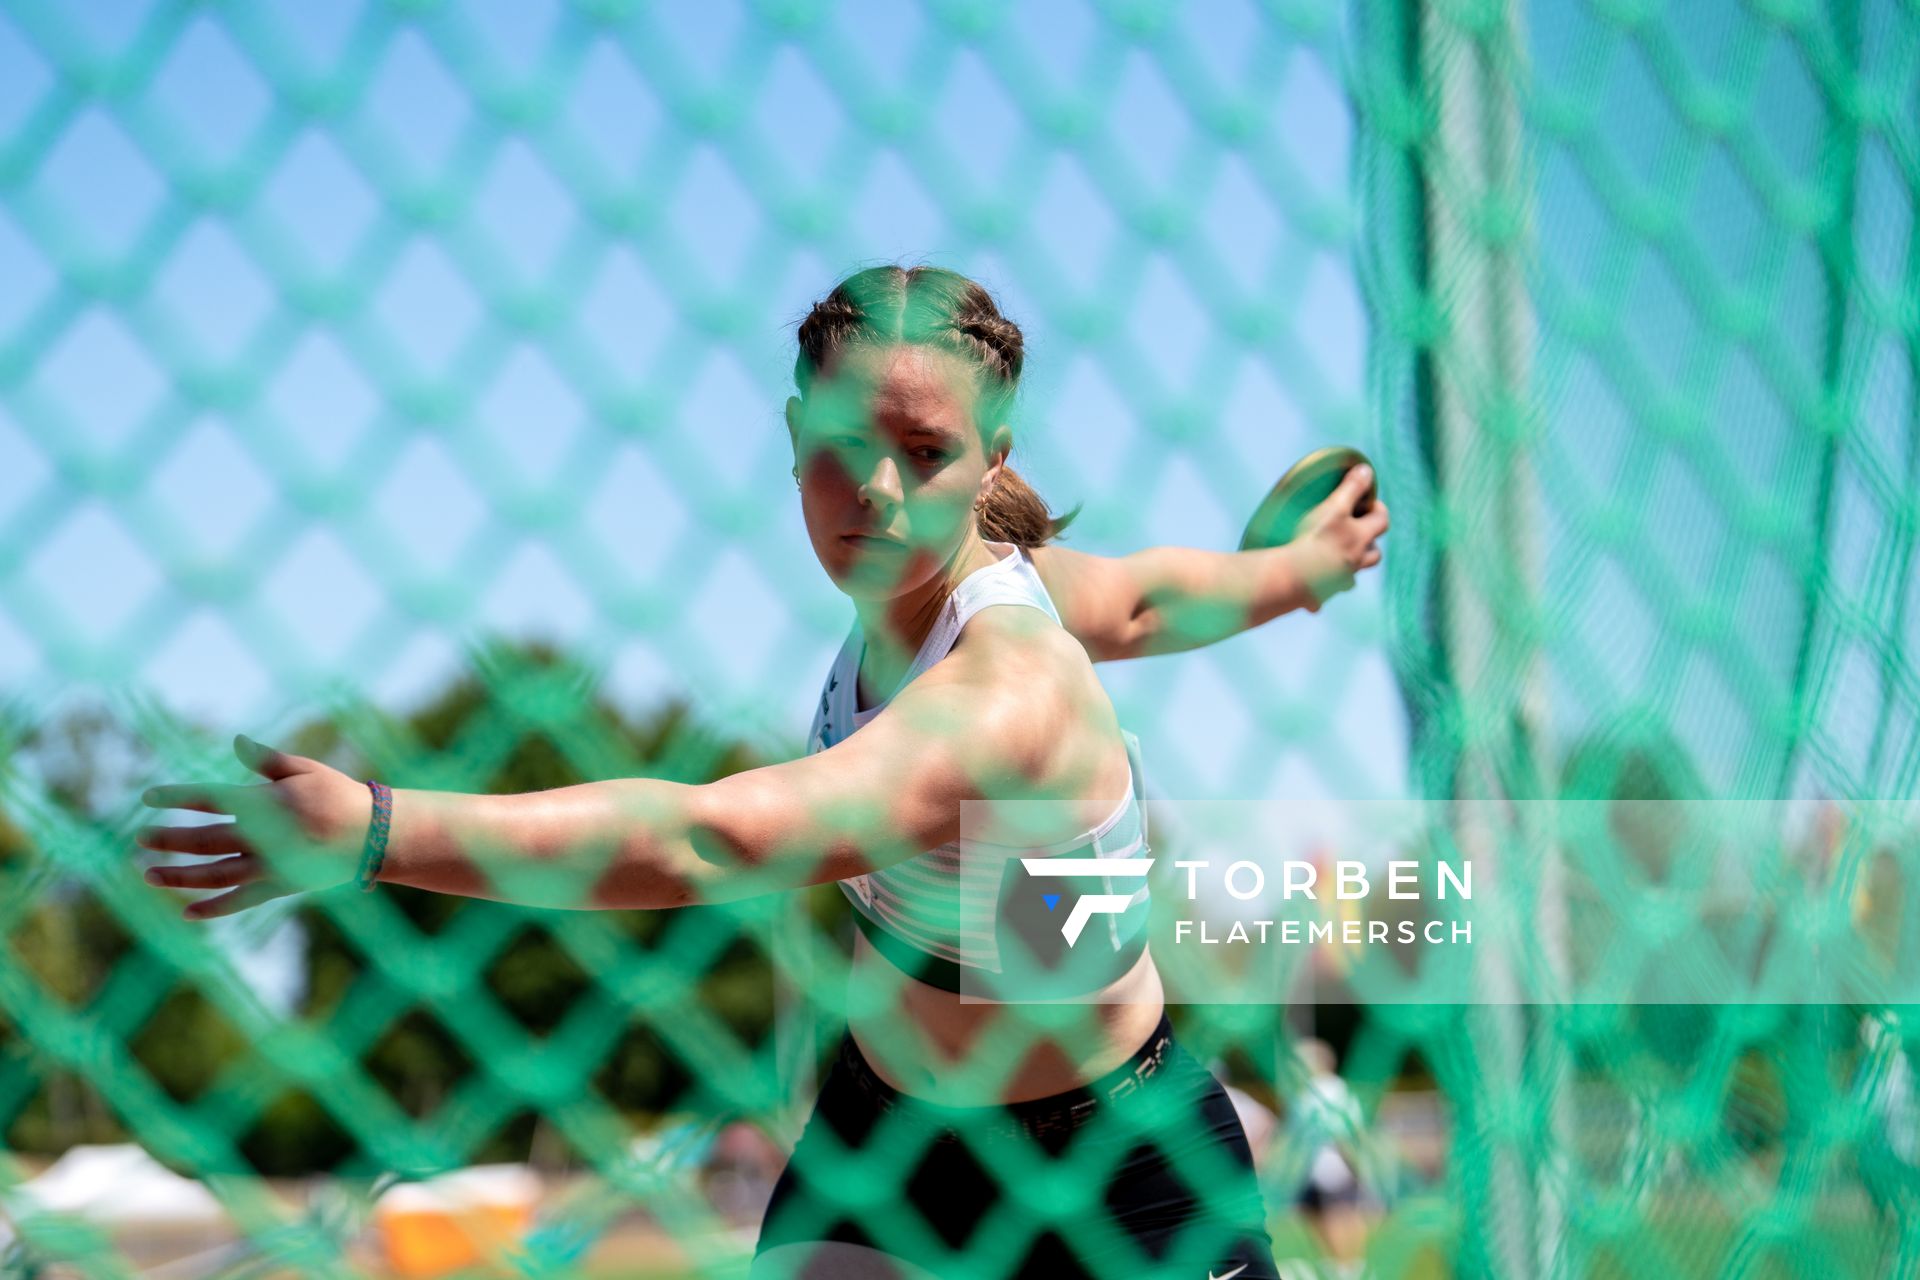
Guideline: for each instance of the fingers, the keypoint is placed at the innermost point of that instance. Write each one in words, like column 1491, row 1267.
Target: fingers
column 208, row 798
column 255, row 808
column 242, row 874
column 1353, row 486
column 198, row 796
column 247, row 895
column 239, row 868
column 264, row 760
column 214, row 838
column 1346, row 496
column 224, row 874
column 1376, row 520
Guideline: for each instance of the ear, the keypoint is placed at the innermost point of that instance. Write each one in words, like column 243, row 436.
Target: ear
column 793, row 424
column 999, row 445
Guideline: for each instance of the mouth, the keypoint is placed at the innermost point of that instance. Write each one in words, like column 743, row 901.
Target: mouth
column 870, row 540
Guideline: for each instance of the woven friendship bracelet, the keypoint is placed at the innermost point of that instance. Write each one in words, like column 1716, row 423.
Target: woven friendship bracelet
column 375, row 852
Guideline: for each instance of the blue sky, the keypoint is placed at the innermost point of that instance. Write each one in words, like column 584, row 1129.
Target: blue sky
column 314, row 381
column 387, row 329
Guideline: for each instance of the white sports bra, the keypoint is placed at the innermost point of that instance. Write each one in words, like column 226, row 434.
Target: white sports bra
column 918, row 901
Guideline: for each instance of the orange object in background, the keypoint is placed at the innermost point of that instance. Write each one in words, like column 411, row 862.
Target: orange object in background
column 462, row 1219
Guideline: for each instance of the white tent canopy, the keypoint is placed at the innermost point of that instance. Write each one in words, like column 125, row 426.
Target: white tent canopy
column 116, row 1183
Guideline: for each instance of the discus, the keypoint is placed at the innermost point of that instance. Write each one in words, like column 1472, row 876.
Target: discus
column 1305, row 486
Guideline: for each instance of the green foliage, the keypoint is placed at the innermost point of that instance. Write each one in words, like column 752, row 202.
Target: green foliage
column 70, row 943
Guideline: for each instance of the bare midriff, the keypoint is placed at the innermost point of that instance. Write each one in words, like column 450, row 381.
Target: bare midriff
column 921, row 1039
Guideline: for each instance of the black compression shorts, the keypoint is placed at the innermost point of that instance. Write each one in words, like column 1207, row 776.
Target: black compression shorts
column 1145, row 1172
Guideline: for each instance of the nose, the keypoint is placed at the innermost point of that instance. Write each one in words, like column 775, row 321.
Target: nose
column 882, row 487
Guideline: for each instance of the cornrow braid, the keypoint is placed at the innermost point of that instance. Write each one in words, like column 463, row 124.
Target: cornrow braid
column 936, row 307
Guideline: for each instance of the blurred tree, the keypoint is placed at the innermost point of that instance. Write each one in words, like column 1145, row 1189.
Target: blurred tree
column 529, row 718
column 524, row 717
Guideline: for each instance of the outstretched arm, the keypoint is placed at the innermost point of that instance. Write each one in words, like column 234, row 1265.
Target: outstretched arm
column 963, row 731
column 1170, row 599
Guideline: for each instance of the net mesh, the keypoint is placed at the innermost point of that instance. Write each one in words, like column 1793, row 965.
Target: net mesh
column 400, row 382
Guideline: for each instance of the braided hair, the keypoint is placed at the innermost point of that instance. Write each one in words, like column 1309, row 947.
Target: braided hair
column 931, row 306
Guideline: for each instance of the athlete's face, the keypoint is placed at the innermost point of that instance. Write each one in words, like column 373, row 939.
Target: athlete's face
column 891, row 462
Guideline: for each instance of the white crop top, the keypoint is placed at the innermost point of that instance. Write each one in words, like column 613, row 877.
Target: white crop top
column 918, row 900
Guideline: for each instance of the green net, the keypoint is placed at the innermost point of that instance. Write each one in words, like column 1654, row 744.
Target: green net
column 400, row 384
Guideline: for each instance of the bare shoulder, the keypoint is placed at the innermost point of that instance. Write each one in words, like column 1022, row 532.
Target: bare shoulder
column 1035, row 681
column 1099, row 597
column 1017, row 647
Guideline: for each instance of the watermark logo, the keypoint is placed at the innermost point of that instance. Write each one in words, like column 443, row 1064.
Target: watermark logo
column 1556, row 902
column 1088, row 905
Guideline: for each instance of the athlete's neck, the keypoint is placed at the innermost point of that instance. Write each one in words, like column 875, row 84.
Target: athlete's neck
column 895, row 628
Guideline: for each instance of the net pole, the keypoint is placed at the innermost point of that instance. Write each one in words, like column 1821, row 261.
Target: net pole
column 1906, row 771
column 1479, row 206
column 1814, row 653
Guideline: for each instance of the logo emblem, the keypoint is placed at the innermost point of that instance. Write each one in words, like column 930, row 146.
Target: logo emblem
column 826, row 704
column 1089, row 905
column 1226, row 1275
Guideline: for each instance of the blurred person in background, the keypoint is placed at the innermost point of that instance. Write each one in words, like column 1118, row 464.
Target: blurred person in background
column 1322, row 1123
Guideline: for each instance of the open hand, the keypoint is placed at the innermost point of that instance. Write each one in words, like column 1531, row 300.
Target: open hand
column 304, row 806
column 1334, row 544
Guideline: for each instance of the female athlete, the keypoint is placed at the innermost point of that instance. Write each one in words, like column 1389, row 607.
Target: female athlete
column 954, row 1135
